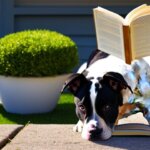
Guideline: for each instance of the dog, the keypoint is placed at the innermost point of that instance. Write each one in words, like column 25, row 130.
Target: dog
column 100, row 87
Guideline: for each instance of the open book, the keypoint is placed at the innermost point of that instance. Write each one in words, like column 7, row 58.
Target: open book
column 127, row 38
column 134, row 125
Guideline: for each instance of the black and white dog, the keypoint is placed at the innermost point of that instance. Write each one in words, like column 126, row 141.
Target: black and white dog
column 101, row 85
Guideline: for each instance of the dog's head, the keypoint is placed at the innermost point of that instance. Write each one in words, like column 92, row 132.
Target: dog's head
column 97, row 101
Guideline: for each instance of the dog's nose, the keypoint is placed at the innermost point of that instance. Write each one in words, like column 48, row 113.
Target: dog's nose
column 93, row 125
column 95, row 133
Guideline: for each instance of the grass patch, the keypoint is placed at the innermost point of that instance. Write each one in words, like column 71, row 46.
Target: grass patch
column 63, row 114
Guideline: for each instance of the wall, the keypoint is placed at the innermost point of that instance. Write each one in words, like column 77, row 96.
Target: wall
column 70, row 17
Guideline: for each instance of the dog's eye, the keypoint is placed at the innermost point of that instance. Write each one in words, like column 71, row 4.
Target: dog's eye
column 106, row 108
column 81, row 107
column 113, row 84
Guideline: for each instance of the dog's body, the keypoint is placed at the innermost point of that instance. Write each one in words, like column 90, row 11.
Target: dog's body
column 100, row 87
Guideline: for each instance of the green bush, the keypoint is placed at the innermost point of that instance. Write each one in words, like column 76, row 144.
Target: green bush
column 37, row 53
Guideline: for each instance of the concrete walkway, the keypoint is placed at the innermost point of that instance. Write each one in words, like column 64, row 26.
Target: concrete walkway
column 61, row 137
column 8, row 132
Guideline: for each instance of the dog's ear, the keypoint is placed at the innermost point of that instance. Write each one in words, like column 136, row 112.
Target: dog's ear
column 96, row 55
column 116, row 81
column 74, row 82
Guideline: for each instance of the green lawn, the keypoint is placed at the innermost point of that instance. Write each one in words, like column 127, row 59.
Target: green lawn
column 63, row 114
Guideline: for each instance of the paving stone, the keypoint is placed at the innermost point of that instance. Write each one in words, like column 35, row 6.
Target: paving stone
column 7, row 132
column 61, row 137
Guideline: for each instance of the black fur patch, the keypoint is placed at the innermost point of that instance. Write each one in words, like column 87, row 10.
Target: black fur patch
column 107, row 103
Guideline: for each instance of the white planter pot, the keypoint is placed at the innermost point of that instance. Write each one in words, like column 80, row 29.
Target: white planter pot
column 30, row 95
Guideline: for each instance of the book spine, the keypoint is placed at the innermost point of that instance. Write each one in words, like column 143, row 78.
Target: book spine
column 94, row 16
column 127, row 44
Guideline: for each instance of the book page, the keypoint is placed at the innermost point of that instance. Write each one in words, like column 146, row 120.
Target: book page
column 140, row 37
column 138, row 11
column 132, row 129
column 134, row 118
column 135, row 124
column 141, row 13
column 109, row 32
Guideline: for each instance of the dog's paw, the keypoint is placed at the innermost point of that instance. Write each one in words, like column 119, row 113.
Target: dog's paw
column 78, row 127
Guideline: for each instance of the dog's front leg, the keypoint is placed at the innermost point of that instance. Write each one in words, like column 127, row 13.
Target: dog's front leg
column 78, row 127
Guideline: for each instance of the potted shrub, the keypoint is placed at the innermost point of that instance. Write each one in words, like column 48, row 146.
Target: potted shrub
column 33, row 67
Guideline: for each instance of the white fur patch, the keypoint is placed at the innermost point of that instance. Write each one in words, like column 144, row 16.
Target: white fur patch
column 93, row 94
column 110, row 63
column 78, row 127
